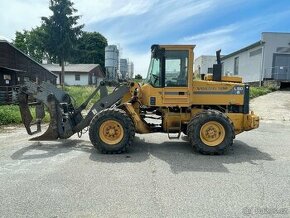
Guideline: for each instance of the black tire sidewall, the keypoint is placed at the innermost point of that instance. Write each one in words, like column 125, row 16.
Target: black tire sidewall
column 124, row 121
column 199, row 145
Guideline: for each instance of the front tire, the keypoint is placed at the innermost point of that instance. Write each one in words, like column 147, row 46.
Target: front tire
column 211, row 132
column 112, row 131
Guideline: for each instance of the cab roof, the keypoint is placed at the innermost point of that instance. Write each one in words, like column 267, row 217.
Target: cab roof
column 177, row 46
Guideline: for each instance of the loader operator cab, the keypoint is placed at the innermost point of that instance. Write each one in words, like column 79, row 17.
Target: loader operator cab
column 168, row 67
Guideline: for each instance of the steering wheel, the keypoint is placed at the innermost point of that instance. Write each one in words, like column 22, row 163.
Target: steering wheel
column 156, row 77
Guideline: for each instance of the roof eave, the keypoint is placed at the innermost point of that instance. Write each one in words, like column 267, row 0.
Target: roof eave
column 27, row 56
column 256, row 44
column 71, row 69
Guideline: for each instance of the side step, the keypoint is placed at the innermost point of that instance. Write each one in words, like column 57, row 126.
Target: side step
column 174, row 130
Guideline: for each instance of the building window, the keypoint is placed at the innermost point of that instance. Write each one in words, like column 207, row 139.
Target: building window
column 283, row 50
column 7, row 77
column 236, row 66
column 210, row 70
column 256, row 52
column 77, row 77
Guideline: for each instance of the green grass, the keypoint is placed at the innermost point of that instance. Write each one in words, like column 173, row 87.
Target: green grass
column 81, row 93
column 258, row 91
column 10, row 114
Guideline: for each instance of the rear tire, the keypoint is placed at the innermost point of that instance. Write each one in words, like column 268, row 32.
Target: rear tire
column 184, row 129
column 112, row 131
column 211, row 132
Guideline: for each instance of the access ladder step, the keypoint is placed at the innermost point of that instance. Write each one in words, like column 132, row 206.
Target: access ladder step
column 174, row 130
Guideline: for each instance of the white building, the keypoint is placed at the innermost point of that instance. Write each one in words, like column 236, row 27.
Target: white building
column 266, row 59
column 112, row 62
column 78, row 74
column 203, row 64
column 124, row 68
column 130, row 69
column 116, row 67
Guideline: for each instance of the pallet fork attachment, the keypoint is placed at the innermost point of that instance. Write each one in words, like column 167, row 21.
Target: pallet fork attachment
column 65, row 119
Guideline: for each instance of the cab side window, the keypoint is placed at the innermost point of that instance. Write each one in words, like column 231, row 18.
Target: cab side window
column 176, row 68
column 154, row 74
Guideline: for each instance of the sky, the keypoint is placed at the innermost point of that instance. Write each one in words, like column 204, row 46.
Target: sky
column 137, row 24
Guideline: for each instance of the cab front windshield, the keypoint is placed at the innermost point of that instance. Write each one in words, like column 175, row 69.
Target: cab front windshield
column 153, row 76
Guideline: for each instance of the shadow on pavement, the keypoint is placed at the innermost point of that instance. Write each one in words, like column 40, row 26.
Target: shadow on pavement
column 49, row 149
column 178, row 154
column 182, row 158
column 41, row 150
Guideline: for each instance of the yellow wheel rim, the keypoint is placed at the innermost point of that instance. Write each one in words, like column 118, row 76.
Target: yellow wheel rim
column 212, row 133
column 111, row 132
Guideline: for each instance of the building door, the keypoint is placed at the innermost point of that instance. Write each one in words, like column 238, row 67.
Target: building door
column 281, row 67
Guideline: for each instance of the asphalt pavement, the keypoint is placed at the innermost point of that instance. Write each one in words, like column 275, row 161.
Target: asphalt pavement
column 158, row 177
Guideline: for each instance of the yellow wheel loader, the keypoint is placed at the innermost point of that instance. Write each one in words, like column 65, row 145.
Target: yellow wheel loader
column 211, row 112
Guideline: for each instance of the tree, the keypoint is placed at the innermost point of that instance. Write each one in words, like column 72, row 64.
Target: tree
column 32, row 43
column 138, row 76
column 36, row 44
column 21, row 41
column 90, row 49
column 62, row 31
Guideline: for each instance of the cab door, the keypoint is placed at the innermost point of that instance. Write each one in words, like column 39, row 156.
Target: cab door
column 176, row 91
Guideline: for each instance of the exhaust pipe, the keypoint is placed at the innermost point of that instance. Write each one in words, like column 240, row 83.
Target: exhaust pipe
column 217, row 68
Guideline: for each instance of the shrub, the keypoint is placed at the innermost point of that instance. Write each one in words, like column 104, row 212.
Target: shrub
column 9, row 114
column 258, row 91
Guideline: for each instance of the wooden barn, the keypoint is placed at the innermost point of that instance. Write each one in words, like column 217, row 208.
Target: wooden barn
column 16, row 67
